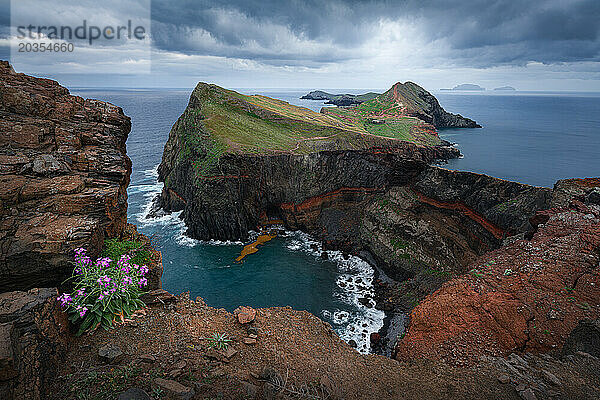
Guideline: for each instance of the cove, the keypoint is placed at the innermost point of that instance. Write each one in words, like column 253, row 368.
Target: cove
column 289, row 270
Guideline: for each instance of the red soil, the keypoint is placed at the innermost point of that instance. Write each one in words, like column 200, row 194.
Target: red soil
column 525, row 296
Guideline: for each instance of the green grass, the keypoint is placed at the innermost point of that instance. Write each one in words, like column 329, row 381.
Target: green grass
column 220, row 121
column 114, row 249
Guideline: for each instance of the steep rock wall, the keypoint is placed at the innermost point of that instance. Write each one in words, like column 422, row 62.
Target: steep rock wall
column 64, row 173
column 525, row 296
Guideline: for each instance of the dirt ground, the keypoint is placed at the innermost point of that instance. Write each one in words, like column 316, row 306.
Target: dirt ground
column 296, row 355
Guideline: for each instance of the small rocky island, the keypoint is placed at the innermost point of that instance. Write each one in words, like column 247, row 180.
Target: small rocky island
column 342, row 100
column 501, row 279
column 505, row 89
column 467, row 87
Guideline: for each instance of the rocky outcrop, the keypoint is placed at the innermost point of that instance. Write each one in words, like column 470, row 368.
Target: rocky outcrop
column 445, row 219
column 525, row 296
column 381, row 197
column 33, row 341
column 343, row 100
column 425, row 106
column 64, row 173
column 584, row 338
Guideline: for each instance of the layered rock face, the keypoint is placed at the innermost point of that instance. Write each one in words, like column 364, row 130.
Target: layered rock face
column 425, row 106
column 227, row 205
column 363, row 192
column 442, row 220
column 64, row 173
column 33, row 339
column 525, row 296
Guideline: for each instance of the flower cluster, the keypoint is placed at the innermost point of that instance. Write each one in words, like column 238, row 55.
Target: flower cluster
column 103, row 290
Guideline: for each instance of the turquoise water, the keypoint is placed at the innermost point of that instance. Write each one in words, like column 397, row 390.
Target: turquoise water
column 285, row 271
column 530, row 138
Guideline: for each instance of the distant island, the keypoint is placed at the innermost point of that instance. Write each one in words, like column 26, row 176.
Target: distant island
column 340, row 99
column 506, row 88
column 467, row 86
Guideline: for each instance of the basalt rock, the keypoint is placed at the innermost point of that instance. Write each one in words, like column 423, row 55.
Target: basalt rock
column 64, row 174
column 525, row 296
column 33, row 340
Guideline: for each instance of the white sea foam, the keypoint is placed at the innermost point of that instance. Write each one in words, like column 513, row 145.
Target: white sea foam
column 354, row 282
column 150, row 191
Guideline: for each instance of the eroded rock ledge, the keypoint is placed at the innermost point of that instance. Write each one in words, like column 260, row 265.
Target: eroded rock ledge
column 526, row 296
column 352, row 189
column 64, row 174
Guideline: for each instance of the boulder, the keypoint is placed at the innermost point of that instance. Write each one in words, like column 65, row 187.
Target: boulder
column 110, row 353
column 175, row 389
column 245, row 314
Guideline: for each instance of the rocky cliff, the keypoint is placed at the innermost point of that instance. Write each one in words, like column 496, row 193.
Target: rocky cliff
column 408, row 98
column 64, row 174
column 526, row 296
column 422, row 104
column 232, row 158
column 351, row 188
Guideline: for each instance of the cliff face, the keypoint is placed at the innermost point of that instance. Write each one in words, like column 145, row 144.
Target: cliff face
column 443, row 220
column 64, row 174
column 425, row 106
column 525, row 296
column 352, row 189
column 34, row 335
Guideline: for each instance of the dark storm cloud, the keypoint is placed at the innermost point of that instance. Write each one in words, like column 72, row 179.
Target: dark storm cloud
column 476, row 33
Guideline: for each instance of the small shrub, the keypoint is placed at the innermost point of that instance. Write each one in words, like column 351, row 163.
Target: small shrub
column 219, row 341
column 103, row 290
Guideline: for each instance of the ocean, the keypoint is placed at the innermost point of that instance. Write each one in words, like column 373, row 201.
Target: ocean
column 533, row 138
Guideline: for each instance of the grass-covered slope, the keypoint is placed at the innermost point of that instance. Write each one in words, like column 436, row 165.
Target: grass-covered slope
column 221, row 120
column 397, row 106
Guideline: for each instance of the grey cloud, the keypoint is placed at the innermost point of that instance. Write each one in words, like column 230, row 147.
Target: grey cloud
column 478, row 32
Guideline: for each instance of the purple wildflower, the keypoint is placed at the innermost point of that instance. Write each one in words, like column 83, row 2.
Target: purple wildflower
column 143, row 282
column 64, row 299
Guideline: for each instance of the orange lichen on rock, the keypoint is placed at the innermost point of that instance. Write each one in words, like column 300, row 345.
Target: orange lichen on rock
column 252, row 247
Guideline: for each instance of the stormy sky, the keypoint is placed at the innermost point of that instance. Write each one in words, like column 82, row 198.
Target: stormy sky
column 532, row 45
